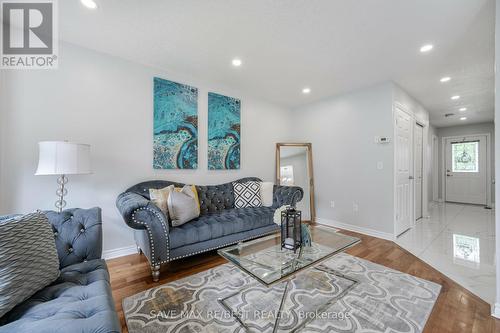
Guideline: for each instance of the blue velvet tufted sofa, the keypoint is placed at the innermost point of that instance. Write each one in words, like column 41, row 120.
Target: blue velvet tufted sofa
column 219, row 224
column 80, row 299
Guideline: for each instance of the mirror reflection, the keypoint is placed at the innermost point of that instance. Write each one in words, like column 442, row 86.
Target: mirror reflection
column 294, row 169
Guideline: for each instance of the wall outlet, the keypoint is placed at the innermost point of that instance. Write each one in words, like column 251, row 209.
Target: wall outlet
column 355, row 207
column 332, row 204
column 380, row 165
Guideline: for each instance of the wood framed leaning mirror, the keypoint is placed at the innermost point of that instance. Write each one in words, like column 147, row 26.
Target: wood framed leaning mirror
column 294, row 167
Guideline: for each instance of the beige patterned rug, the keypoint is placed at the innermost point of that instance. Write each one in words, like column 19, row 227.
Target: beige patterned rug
column 384, row 300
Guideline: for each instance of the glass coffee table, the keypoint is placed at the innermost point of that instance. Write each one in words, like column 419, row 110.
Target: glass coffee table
column 268, row 264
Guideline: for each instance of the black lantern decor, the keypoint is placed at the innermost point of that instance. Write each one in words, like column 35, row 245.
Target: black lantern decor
column 291, row 229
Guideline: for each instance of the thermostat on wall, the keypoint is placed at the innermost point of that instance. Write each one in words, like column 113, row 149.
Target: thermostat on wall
column 382, row 139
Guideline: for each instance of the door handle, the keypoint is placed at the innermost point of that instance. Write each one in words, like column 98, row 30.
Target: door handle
column 411, row 178
column 448, row 175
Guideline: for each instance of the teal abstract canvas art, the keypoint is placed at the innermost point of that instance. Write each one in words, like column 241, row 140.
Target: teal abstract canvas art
column 223, row 132
column 175, row 141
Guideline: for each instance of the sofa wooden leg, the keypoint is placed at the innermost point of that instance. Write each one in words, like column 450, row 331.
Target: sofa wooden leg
column 155, row 272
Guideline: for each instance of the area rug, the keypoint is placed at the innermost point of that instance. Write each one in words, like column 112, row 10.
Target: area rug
column 384, row 300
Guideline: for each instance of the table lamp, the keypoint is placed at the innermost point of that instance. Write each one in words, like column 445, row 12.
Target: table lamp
column 63, row 158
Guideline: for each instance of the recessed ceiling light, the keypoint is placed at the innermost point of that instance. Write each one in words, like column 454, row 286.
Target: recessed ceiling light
column 306, row 90
column 426, row 48
column 89, row 4
column 462, row 109
column 445, row 79
column 236, row 62
column 463, row 118
column 455, row 97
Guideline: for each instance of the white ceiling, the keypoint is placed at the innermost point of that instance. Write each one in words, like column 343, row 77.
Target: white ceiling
column 332, row 46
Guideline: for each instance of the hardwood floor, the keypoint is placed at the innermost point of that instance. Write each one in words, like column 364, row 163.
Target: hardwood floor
column 456, row 310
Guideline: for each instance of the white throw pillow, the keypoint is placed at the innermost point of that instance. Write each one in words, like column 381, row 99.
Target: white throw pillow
column 183, row 206
column 266, row 193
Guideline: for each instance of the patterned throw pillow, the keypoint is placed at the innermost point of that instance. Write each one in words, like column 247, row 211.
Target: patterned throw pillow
column 160, row 196
column 28, row 258
column 247, row 194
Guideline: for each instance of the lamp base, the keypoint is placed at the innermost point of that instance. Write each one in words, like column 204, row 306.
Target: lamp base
column 61, row 192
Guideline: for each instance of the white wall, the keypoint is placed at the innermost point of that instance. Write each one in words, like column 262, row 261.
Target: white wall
column 481, row 128
column 107, row 102
column 496, row 309
column 419, row 112
column 2, row 139
column 342, row 130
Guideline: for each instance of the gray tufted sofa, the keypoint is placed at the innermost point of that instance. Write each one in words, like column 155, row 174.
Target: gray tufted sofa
column 219, row 224
column 80, row 299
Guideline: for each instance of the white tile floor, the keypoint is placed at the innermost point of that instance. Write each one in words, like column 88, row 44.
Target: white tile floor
column 459, row 241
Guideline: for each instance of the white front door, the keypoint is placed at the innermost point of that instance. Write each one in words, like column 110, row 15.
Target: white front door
column 403, row 150
column 418, row 174
column 466, row 170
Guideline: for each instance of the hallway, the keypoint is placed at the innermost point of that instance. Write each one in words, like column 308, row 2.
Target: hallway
column 459, row 241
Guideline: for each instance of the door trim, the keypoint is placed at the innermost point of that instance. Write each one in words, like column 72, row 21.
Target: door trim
column 414, row 219
column 435, row 168
column 488, row 163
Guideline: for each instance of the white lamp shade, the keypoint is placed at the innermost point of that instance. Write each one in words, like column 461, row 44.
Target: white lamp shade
column 63, row 158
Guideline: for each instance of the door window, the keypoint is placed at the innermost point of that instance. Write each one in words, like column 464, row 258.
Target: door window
column 465, row 156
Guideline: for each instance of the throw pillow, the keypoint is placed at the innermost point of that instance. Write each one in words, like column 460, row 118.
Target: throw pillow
column 28, row 258
column 183, row 206
column 196, row 198
column 267, row 193
column 160, row 196
column 247, row 194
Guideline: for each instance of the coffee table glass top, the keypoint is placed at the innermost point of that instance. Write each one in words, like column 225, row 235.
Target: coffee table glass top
column 267, row 262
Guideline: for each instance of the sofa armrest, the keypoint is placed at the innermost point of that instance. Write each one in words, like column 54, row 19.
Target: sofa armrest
column 287, row 195
column 140, row 213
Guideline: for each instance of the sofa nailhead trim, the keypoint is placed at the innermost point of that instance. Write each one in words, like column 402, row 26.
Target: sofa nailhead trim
column 150, row 233
column 217, row 247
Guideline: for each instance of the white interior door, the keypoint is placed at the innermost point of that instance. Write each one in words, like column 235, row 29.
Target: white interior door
column 466, row 170
column 403, row 151
column 419, row 166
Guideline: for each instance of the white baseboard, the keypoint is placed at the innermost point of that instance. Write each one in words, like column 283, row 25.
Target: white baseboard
column 496, row 310
column 119, row 252
column 355, row 228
